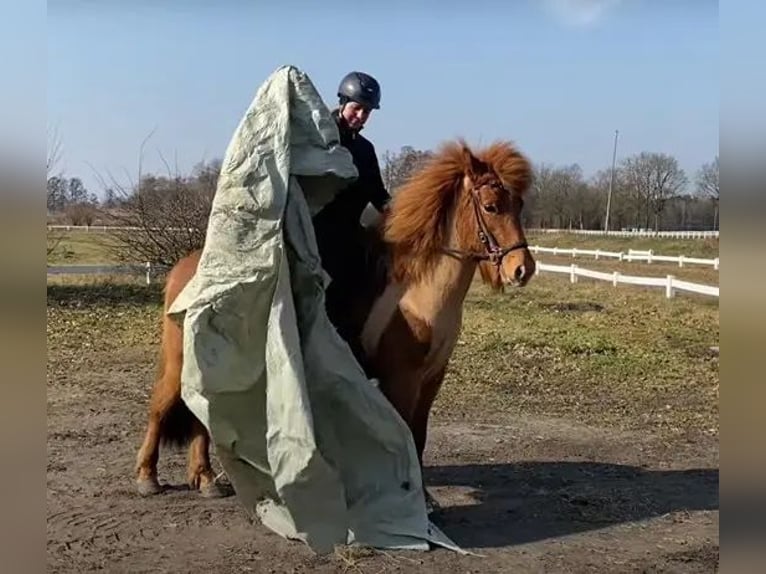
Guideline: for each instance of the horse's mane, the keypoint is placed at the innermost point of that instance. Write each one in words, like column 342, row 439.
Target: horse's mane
column 417, row 225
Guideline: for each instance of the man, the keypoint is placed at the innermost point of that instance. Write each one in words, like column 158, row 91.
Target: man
column 339, row 232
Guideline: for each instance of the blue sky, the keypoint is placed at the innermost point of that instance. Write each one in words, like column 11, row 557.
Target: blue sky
column 557, row 77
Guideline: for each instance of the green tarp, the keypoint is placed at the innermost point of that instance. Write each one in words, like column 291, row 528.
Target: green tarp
column 311, row 446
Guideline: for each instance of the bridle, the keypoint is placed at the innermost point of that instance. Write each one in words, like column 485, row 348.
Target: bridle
column 492, row 250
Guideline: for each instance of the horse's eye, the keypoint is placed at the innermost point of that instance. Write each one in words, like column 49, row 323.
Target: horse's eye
column 490, row 208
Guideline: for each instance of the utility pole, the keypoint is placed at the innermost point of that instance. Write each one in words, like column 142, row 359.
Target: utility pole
column 611, row 184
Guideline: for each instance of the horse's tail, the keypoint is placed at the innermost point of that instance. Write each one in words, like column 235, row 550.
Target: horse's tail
column 177, row 426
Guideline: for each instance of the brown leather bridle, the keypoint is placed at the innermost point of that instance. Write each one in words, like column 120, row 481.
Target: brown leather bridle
column 492, row 250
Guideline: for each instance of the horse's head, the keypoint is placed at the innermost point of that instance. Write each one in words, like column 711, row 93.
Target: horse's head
column 468, row 206
column 488, row 216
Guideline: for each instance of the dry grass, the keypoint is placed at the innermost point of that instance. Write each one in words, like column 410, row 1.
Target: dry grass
column 623, row 356
column 80, row 248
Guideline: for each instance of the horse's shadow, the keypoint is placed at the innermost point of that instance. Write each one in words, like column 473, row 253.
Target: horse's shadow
column 507, row 504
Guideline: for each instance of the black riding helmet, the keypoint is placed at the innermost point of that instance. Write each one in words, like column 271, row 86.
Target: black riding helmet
column 360, row 88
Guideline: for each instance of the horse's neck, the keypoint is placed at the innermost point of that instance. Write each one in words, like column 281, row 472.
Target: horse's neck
column 435, row 300
column 440, row 294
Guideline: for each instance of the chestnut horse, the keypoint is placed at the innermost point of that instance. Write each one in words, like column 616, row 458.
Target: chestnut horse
column 460, row 211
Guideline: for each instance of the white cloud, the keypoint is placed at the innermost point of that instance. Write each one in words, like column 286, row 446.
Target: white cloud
column 579, row 13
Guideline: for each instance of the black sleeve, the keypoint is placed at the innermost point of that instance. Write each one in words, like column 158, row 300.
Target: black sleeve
column 379, row 196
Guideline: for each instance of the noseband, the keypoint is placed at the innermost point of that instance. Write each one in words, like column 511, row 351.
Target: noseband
column 492, row 250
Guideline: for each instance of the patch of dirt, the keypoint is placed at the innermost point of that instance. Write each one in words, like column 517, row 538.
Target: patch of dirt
column 530, row 494
column 574, row 307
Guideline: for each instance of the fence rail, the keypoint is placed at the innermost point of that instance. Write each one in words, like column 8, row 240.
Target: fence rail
column 146, row 269
column 669, row 283
column 631, row 255
column 677, row 234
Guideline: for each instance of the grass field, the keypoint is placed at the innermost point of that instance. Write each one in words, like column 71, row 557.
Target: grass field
column 79, row 248
column 625, row 355
column 590, row 350
column 621, row 356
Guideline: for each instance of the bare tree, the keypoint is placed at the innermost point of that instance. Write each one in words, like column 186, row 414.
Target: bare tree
column 558, row 196
column 163, row 218
column 397, row 168
column 621, row 212
column 654, row 178
column 708, row 186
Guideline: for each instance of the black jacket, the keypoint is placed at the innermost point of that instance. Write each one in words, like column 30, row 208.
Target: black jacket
column 346, row 208
column 337, row 225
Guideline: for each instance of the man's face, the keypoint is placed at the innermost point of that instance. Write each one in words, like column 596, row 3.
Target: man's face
column 355, row 115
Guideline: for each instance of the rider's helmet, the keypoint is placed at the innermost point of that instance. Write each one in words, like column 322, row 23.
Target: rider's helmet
column 360, row 88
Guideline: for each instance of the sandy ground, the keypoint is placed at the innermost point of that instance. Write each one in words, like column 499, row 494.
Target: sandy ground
column 529, row 494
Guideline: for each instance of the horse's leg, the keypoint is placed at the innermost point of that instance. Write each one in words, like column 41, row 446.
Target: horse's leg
column 165, row 394
column 200, row 472
column 428, row 391
column 401, row 391
column 170, row 420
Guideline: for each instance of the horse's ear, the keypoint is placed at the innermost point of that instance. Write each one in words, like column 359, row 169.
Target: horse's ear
column 473, row 166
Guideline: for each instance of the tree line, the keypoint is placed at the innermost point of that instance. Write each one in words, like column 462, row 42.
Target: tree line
column 649, row 191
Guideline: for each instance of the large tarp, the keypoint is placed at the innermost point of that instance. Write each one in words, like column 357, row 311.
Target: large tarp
column 312, row 447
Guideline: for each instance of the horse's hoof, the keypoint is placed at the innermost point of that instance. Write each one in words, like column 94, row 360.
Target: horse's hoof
column 148, row 486
column 212, row 490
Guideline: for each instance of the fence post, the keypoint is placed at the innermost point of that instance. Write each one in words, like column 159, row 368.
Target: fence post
column 597, row 253
column 715, row 264
column 555, row 250
column 669, row 292
column 615, row 277
column 573, row 273
column 148, row 273
column 574, row 252
column 649, row 259
column 680, row 260
column 622, row 256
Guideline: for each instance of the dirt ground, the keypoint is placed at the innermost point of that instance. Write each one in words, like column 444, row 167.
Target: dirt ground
column 570, row 437
column 529, row 494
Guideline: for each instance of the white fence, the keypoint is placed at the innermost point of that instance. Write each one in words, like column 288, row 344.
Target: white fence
column 669, row 283
column 636, row 233
column 631, row 255
column 147, row 270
